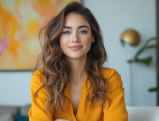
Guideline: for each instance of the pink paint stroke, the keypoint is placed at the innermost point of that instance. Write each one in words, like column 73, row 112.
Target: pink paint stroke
column 4, row 45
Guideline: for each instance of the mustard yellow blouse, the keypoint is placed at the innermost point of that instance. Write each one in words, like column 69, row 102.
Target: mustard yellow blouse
column 116, row 112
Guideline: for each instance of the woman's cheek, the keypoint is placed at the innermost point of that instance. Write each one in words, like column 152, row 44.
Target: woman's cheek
column 63, row 42
column 87, row 40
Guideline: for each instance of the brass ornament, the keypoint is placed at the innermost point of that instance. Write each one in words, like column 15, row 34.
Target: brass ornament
column 131, row 37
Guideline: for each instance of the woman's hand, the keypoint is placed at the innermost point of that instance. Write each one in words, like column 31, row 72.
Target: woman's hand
column 62, row 120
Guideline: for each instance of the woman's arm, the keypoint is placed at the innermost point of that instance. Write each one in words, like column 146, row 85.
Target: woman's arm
column 117, row 110
column 37, row 110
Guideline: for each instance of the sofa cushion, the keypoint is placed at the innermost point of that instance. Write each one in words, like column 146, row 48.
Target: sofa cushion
column 25, row 109
column 8, row 109
column 6, row 117
column 149, row 113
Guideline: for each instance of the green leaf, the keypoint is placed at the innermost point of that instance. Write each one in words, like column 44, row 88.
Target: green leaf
column 151, row 46
column 154, row 89
column 130, row 61
column 139, row 52
column 145, row 61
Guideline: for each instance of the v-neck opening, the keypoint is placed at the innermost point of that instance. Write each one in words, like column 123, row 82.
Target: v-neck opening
column 84, row 81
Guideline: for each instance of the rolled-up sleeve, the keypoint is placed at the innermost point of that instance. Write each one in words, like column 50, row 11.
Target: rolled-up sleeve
column 37, row 110
column 117, row 109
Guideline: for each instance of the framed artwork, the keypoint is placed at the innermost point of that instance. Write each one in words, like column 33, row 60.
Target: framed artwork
column 20, row 22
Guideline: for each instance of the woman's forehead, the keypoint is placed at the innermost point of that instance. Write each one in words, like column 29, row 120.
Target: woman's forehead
column 75, row 20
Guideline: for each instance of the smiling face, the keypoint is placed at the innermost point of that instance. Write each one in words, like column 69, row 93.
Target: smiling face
column 76, row 32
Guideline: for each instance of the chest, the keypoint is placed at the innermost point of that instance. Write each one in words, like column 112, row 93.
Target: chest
column 75, row 95
column 79, row 108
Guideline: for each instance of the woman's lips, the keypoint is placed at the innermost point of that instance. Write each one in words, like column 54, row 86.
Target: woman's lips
column 76, row 48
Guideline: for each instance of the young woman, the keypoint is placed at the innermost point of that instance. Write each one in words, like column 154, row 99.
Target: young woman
column 71, row 84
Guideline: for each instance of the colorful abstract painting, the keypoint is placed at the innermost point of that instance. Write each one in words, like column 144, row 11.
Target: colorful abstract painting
column 20, row 22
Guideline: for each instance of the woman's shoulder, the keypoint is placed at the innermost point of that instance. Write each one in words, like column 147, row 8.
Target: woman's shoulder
column 108, row 72
column 37, row 78
column 112, row 76
column 37, row 72
column 36, row 82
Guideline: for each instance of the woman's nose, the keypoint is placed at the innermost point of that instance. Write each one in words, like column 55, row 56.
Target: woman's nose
column 75, row 38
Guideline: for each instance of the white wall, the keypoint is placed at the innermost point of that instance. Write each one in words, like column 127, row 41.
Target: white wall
column 15, row 88
column 114, row 16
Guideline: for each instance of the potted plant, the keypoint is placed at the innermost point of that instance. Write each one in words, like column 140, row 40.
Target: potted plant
column 147, row 60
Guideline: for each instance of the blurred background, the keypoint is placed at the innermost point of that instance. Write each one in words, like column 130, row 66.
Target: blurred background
column 19, row 45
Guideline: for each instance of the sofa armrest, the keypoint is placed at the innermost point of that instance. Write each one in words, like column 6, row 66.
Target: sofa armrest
column 147, row 113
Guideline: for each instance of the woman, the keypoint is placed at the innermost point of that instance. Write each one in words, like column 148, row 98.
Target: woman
column 71, row 84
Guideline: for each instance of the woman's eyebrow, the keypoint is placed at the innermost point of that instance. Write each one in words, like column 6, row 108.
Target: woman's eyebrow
column 78, row 27
column 83, row 26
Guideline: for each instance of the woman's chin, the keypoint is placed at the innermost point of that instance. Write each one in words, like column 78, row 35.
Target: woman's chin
column 75, row 56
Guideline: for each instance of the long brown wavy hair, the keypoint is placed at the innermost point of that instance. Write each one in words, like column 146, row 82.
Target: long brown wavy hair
column 55, row 69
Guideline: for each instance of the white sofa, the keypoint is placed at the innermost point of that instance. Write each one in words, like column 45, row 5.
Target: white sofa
column 146, row 113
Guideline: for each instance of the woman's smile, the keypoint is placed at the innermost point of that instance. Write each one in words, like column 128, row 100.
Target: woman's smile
column 75, row 47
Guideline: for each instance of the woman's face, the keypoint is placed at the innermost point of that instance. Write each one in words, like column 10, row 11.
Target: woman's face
column 76, row 32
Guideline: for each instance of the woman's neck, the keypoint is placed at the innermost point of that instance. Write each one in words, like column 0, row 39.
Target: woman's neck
column 78, row 69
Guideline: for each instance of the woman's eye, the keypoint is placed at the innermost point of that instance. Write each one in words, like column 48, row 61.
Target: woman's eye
column 83, row 32
column 66, row 32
